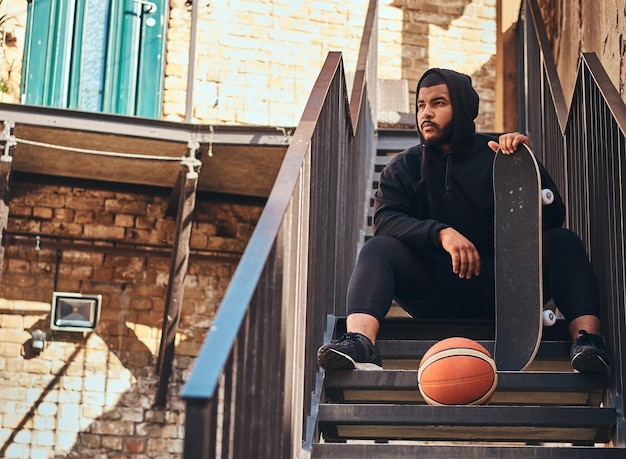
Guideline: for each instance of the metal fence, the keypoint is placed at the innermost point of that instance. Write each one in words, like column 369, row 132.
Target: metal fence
column 584, row 148
column 249, row 393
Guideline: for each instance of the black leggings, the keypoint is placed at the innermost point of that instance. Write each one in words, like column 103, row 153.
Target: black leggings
column 422, row 282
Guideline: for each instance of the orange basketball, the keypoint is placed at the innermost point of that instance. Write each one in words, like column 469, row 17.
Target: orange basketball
column 457, row 371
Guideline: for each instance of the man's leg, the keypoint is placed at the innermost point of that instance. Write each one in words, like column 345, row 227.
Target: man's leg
column 570, row 280
column 589, row 323
column 364, row 324
column 384, row 264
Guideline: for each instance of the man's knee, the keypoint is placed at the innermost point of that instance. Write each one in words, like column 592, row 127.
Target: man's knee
column 380, row 246
column 562, row 241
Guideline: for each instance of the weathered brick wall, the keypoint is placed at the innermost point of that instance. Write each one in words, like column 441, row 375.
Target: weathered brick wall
column 93, row 395
column 11, row 49
column 257, row 61
column 587, row 26
column 416, row 35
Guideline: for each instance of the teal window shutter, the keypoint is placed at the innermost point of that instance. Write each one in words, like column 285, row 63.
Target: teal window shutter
column 48, row 40
column 96, row 55
column 151, row 65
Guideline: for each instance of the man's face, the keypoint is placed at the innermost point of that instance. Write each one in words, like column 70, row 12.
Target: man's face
column 434, row 115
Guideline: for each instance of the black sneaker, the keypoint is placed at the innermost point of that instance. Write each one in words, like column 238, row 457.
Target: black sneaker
column 351, row 351
column 589, row 355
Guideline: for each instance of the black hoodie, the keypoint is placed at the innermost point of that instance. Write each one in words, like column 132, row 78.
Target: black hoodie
column 421, row 192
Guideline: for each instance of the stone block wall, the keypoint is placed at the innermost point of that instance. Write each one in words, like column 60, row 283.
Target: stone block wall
column 416, row 35
column 257, row 61
column 92, row 395
column 582, row 27
column 11, row 48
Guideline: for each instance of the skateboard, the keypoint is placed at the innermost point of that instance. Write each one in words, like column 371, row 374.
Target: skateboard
column 518, row 270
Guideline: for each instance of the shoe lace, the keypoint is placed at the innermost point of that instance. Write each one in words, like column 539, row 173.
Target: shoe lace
column 586, row 338
column 349, row 337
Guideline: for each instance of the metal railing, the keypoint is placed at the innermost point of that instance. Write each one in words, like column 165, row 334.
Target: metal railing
column 250, row 391
column 585, row 150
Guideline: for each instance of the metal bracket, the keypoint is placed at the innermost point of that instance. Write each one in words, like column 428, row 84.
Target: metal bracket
column 211, row 135
column 9, row 140
column 192, row 163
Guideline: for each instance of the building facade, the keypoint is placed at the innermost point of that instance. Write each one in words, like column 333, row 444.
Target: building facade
column 254, row 64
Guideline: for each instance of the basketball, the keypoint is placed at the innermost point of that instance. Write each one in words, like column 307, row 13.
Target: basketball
column 457, row 371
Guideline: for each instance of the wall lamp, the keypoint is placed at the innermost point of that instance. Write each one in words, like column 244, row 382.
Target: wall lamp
column 37, row 340
column 75, row 312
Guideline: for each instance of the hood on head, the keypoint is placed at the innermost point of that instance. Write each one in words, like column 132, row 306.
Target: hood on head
column 464, row 100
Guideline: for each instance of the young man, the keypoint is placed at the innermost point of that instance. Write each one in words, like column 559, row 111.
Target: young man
column 432, row 249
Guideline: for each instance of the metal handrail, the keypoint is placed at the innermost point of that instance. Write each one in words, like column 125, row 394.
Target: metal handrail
column 249, row 393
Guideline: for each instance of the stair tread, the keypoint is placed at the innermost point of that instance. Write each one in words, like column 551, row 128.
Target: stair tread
column 462, row 415
column 507, row 380
column 456, row 451
column 408, row 349
column 467, row 423
column 406, row 338
column 396, row 140
column 520, row 388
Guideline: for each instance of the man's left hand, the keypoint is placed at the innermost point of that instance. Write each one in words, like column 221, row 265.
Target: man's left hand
column 508, row 143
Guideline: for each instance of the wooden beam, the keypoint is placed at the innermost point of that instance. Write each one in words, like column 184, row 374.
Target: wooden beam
column 507, row 13
column 188, row 185
column 247, row 170
column 243, row 160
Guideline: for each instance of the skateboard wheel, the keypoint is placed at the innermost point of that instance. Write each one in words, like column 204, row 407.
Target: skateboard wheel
column 549, row 317
column 547, row 197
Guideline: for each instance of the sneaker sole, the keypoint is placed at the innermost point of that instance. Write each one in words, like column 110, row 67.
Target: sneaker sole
column 331, row 359
column 589, row 362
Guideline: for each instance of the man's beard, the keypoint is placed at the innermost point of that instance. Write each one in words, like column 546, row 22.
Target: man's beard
column 443, row 138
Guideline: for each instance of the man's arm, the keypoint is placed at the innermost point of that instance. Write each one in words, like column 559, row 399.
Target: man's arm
column 400, row 209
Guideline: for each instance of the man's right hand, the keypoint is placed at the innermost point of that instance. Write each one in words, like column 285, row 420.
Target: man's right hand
column 465, row 257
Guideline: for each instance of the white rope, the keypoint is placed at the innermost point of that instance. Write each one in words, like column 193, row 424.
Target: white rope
column 101, row 153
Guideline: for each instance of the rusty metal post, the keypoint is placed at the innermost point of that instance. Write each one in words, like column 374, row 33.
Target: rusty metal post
column 6, row 160
column 188, row 183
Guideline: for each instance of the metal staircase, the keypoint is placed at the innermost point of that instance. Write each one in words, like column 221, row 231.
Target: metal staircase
column 548, row 411
column 545, row 412
column 256, row 389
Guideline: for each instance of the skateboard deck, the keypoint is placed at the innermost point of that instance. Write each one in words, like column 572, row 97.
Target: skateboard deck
column 518, row 272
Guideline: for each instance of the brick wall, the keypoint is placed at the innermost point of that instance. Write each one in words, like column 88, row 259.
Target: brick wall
column 576, row 27
column 460, row 34
column 257, row 61
column 92, row 395
column 11, row 49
